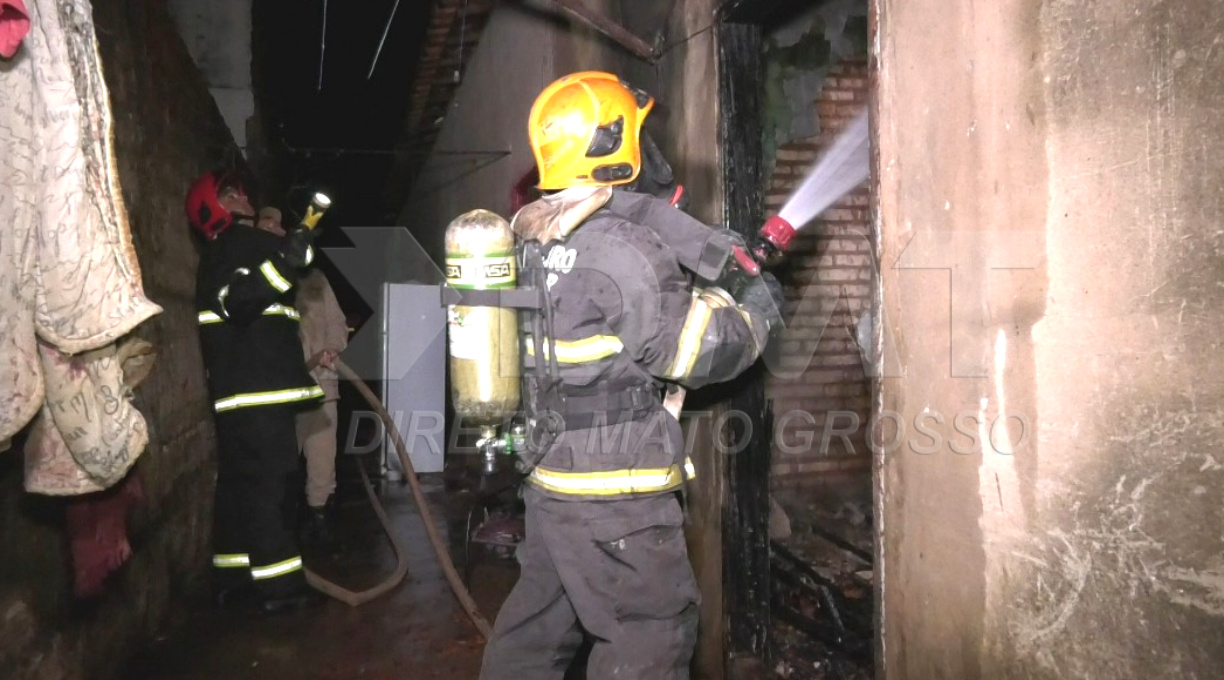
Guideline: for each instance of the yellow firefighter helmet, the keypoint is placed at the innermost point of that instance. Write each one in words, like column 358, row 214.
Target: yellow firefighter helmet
column 585, row 130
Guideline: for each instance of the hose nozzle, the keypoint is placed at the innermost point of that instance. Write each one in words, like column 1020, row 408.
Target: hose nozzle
column 773, row 240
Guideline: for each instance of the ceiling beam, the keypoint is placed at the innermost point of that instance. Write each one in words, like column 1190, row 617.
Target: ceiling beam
column 605, row 25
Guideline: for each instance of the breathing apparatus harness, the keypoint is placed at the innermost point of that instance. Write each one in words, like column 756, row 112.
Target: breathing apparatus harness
column 551, row 406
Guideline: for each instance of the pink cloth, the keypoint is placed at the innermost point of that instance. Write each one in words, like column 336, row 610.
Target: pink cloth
column 14, row 25
column 97, row 526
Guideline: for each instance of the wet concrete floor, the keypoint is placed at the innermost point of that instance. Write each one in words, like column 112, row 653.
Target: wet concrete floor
column 417, row 631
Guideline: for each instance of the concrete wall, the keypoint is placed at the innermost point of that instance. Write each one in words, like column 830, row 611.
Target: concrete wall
column 1049, row 212
column 686, row 83
column 488, row 117
column 218, row 35
column 482, row 148
column 167, row 131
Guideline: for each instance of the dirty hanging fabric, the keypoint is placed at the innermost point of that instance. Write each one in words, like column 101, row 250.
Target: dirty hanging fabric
column 87, row 435
column 70, row 284
column 97, row 529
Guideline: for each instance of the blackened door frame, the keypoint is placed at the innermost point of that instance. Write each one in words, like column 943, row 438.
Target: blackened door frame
column 741, row 29
column 746, row 583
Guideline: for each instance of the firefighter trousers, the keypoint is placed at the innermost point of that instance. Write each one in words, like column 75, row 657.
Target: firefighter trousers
column 618, row 570
column 255, row 515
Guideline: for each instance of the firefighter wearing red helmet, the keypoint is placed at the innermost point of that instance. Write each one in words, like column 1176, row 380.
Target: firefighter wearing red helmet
column 604, row 550
column 257, row 380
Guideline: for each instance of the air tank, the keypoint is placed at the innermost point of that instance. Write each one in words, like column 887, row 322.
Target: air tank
column 483, row 340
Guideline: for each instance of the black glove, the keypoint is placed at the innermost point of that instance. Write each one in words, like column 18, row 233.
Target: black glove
column 296, row 247
column 762, row 296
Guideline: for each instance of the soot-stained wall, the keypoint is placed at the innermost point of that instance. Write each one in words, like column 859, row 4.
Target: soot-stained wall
column 1049, row 212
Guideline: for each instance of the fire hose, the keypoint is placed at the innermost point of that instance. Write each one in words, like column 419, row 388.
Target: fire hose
column 319, row 203
column 354, row 599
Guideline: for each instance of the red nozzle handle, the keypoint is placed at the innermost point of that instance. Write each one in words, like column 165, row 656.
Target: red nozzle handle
column 747, row 263
column 677, row 197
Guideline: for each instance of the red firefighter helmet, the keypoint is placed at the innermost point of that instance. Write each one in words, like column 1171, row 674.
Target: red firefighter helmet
column 204, row 209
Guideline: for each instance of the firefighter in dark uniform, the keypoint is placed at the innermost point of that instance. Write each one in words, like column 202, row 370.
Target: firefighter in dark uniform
column 257, row 381
column 604, row 550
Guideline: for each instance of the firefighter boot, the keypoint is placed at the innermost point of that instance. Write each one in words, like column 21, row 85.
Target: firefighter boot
column 300, row 598
column 317, row 533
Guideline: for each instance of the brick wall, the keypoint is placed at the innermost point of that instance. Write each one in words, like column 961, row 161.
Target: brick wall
column 828, row 277
column 167, row 130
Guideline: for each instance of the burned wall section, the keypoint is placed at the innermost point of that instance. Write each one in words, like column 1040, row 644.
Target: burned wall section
column 167, row 130
column 1049, row 207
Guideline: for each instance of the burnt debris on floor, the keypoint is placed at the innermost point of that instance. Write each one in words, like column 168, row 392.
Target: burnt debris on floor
column 822, row 599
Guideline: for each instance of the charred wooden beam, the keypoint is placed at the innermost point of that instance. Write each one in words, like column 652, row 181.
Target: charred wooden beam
column 856, row 648
column 766, row 13
column 791, row 568
column 843, row 544
column 746, row 568
column 605, row 25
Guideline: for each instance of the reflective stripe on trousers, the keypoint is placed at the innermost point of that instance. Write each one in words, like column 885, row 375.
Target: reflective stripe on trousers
column 231, row 561
column 278, row 569
column 242, row 561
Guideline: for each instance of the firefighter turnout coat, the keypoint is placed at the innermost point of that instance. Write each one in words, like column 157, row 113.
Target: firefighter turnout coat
column 626, row 318
column 248, row 326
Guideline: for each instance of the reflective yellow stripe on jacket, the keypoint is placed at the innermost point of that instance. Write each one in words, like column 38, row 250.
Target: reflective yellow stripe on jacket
column 701, row 310
column 274, row 278
column 275, row 309
column 583, row 350
column 614, row 482
column 689, row 347
column 267, row 398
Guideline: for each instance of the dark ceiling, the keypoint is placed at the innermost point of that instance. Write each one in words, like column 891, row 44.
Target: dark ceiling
column 334, row 129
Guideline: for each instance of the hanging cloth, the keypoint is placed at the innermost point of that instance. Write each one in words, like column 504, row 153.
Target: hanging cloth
column 14, row 25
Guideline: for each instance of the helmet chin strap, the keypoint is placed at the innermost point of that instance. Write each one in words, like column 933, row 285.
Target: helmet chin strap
column 242, row 217
column 655, row 176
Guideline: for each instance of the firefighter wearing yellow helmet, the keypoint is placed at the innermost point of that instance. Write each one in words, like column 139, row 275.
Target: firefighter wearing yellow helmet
column 585, row 131
column 604, row 550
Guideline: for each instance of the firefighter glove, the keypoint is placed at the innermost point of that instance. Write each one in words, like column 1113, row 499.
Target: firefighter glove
column 762, row 296
column 296, row 247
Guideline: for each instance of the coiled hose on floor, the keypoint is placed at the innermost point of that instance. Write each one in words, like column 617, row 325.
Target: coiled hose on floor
column 401, row 553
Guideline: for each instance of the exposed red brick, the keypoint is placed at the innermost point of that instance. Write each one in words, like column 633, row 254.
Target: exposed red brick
column 828, row 284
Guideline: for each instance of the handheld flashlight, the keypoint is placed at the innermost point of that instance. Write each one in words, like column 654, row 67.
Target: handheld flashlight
column 319, row 203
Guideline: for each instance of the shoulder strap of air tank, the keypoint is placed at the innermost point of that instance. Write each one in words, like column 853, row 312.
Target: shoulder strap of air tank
column 545, row 379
